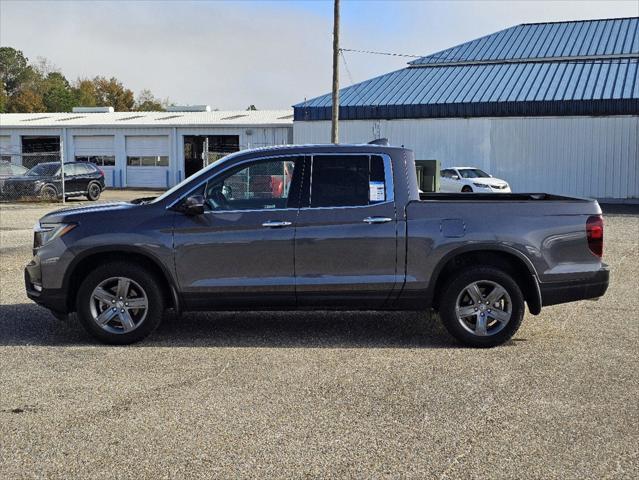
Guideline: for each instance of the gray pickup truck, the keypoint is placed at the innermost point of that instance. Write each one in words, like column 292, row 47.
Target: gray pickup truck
column 318, row 227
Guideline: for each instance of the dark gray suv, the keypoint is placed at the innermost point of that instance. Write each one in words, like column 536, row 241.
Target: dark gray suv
column 322, row 227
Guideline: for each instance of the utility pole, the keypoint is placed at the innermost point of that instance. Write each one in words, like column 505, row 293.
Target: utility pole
column 335, row 113
column 63, row 139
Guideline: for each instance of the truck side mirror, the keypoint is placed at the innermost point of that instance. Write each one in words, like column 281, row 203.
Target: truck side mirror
column 193, row 205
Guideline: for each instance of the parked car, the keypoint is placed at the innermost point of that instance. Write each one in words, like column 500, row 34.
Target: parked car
column 43, row 180
column 347, row 231
column 8, row 169
column 471, row 179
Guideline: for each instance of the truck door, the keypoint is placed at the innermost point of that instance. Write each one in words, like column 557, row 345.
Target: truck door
column 346, row 234
column 240, row 252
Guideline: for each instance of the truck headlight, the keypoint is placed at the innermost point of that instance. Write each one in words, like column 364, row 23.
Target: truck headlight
column 46, row 232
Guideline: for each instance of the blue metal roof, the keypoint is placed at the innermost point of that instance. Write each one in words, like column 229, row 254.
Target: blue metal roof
column 585, row 38
column 567, row 68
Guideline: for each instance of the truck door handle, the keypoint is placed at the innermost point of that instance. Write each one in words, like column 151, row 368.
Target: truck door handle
column 271, row 224
column 372, row 220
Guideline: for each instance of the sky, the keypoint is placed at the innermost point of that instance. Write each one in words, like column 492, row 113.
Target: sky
column 273, row 54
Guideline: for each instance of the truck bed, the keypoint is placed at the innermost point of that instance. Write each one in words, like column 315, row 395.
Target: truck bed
column 517, row 197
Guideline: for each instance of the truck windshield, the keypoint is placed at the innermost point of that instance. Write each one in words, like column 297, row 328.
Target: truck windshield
column 44, row 170
column 472, row 173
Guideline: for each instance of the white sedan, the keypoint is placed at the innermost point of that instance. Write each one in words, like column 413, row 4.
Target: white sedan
column 470, row 179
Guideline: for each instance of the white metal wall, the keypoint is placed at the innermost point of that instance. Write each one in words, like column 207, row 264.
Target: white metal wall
column 583, row 156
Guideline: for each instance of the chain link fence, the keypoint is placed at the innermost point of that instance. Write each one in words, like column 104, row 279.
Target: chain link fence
column 36, row 177
column 30, row 177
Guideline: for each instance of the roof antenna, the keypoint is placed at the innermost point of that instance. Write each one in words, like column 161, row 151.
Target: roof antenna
column 380, row 141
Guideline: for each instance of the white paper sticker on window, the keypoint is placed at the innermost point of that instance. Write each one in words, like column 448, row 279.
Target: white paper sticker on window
column 377, row 193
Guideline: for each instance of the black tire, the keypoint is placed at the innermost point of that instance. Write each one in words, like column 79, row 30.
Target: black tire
column 467, row 189
column 458, row 284
column 146, row 280
column 93, row 191
column 48, row 193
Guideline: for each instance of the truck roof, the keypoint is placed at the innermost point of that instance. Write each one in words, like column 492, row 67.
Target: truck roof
column 322, row 148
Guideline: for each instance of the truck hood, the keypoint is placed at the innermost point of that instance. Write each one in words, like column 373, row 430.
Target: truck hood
column 78, row 213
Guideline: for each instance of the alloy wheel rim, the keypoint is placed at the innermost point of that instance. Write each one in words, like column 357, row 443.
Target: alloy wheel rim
column 93, row 189
column 483, row 308
column 118, row 305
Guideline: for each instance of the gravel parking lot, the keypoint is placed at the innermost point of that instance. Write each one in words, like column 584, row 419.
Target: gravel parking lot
column 256, row 395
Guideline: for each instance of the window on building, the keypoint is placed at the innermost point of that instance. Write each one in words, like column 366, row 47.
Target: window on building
column 148, row 161
column 347, row 181
column 100, row 160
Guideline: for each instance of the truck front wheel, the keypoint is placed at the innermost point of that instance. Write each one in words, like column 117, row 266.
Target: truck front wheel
column 482, row 306
column 120, row 303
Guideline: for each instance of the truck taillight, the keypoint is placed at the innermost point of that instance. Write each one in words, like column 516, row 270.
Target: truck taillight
column 595, row 234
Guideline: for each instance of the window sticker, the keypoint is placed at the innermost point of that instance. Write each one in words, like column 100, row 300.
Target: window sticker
column 377, row 192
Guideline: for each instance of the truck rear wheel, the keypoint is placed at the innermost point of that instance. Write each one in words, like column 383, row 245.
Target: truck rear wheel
column 119, row 303
column 482, row 306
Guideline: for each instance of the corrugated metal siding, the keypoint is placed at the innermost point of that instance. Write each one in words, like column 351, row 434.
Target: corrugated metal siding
column 619, row 36
column 581, row 156
column 592, row 157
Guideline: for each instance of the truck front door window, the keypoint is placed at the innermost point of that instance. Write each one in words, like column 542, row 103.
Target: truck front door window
column 259, row 186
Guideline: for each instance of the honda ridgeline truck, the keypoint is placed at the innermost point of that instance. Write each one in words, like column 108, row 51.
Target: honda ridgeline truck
column 338, row 227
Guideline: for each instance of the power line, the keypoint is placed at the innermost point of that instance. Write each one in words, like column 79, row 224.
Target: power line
column 390, row 54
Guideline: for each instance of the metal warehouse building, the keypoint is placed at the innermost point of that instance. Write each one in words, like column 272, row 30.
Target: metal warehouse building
column 141, row 149
column 549, row 107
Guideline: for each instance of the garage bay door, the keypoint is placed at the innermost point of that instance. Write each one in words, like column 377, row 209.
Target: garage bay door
column 98, row 149
column 5, row 148
column 147, row 161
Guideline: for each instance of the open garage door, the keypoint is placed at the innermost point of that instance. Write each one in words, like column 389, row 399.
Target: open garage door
column 40, row 149
column 98, row 149
column 147, row 161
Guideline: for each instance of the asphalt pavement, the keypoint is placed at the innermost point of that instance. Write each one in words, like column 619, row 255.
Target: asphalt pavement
column 321, row 395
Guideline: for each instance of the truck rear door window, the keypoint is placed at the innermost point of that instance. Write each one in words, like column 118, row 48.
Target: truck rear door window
column 347, row 180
